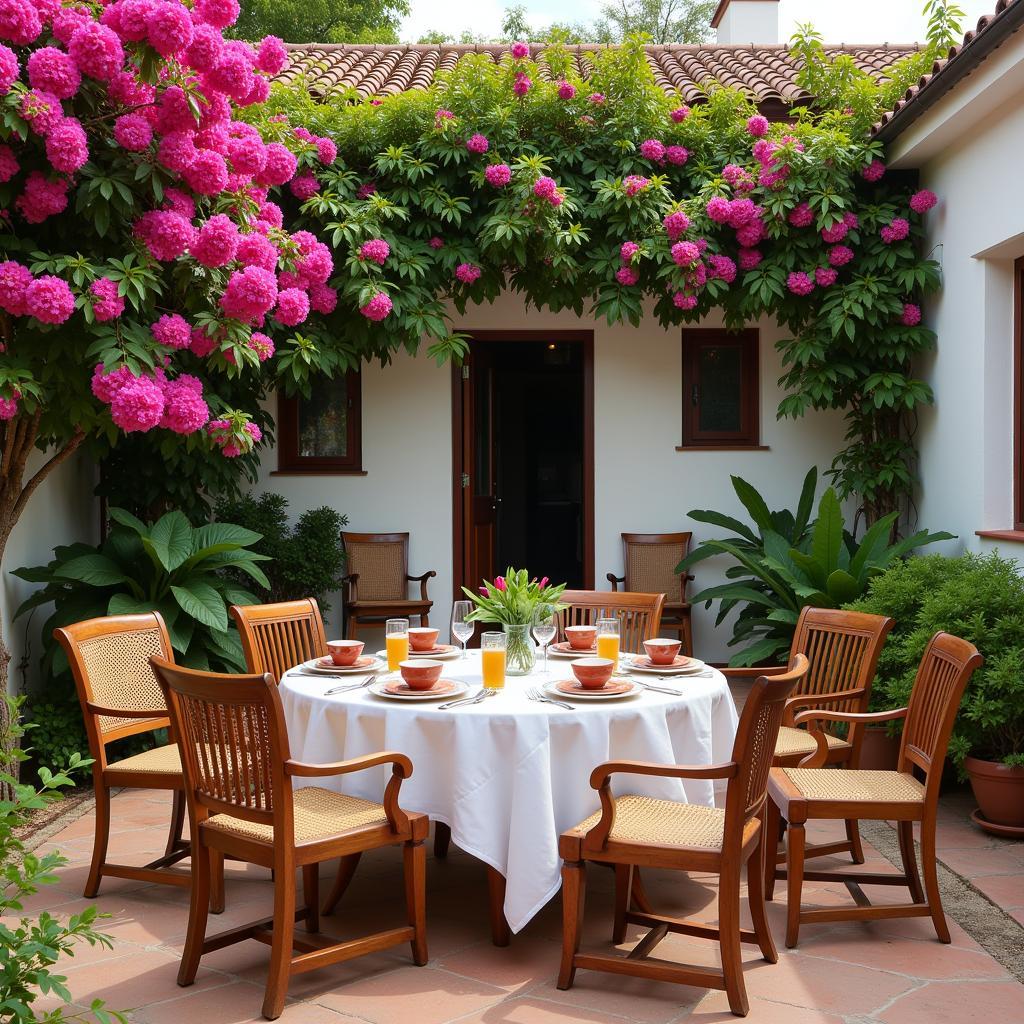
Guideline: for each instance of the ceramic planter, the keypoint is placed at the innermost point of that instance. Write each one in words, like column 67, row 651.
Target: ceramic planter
column 999, row 790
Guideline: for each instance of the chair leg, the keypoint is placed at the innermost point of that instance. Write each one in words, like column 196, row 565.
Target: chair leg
column 353, row 627
column 931, row 880
column 905, row 829
column 795, row 846
column 624, row 875
column 641, row 900
column 99, row 843
column 687, row 635
column 500, row 934
column 442, row 839
column 415, row 857
column 216, row 882
column 177, row 822
column 346, row 869
column 574, row 890
column 282, row 942
column 853, row 835
column 311, row 896
column 755, row 896
column 425, row 620
column 729, row 938
column 772, row 827
column 198, row 911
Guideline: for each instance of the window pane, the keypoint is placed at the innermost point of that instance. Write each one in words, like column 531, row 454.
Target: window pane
column 323, row 420
column 720, row 371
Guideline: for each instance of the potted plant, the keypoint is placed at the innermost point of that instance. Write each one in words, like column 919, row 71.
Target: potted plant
column 980, row 598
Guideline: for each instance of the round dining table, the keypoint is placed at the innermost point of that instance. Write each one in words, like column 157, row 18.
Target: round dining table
column 508, row 775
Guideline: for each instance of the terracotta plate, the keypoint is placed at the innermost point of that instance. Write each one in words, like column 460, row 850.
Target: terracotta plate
column 327, row 667
column 396, row 689
column 566, row 650
column 680, row 667
column 612, row 689
column 443, row 652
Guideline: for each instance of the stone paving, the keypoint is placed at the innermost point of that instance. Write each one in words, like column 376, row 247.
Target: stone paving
column 854, row 973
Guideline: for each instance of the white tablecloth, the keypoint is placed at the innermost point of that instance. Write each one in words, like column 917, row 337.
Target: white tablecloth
column 510, row 775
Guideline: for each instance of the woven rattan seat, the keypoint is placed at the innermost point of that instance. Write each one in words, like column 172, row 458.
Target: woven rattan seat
column 860, row 786
column 159, row 759
column 319, row 814
column 642, row 819
column 800, row 741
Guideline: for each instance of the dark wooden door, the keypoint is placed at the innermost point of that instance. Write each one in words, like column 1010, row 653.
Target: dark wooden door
column 480, row 498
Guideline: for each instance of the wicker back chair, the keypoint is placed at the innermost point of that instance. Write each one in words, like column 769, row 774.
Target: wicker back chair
column 649, row 561
column 377, row 583
column 639, row 615
column 810, row 792
column 636, row 831
column 238, row 782
column 277, row 637
column 120, row 697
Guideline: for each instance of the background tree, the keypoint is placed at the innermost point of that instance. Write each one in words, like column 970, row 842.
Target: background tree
column 322, row 21
column 661, row 21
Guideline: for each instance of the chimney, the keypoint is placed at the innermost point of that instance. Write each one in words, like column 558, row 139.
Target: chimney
column 746, row 21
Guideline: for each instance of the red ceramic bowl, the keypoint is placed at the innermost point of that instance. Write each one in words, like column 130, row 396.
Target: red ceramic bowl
column 420, row 674
column 593, row 673
column 662, row 652
column 344, row 652
column 422, row 638
column 581, row 638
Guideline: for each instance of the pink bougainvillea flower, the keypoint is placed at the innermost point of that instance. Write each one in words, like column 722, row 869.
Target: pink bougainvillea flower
column 597, row 98
column 566, row 90
column 652, row 149
column 923, row 201
column 675, row 224
column 681, row 300
column 627, row 275
column 14, row 281
column 680, row 113
column 719, row 209
column 634, row 183
column 677, row 155
column 685, row 254
column 477, row 143
column 498, row 175
column 292, row 307
column 911, row 314
column 522, row 85
column 107, row 303
column 376, row 250
column 826, row 276
column 467, row 273
column 800, row 283
column 378, row 308
column 896, row 231
column 873, row 171
column 520, row 50
column 758, row 126
column 49, row 300
column 801, row 216
column 840, row 255
column 172, row 330
column 138, row 405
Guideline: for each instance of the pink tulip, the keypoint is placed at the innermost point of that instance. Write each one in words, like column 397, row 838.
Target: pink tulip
column 483, row 590
column 499, row 582
column 543, row 583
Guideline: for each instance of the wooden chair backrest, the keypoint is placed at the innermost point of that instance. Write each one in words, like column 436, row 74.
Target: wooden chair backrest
column 381, row 561
column 639, row 615
column 754, row 746
column 234, row 744
column 109, row 660
column 946, row 667
column 649, row 563
column 277, row 637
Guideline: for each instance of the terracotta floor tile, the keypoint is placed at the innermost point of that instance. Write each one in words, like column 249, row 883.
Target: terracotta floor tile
column 530, row 1010
column 714, row 1009
column 980, row 1002
column 235, row 1003
column 1006, row 891
column 976, row 863
column 517, row 967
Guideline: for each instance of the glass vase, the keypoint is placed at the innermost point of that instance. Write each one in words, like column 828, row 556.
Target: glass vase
column 521, row 655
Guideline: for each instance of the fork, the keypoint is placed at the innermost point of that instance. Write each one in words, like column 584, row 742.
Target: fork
column 351, row 686
column 475, row 699
column 534, row 694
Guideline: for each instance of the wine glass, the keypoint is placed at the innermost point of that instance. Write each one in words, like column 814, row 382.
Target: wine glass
column 545, row 626
column 462, row 629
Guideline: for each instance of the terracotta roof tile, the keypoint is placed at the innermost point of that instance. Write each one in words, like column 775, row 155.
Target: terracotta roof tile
column 767, row 73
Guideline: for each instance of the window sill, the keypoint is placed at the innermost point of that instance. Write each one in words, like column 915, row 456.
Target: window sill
column 318, row 472
column 1011, row 535
column 722, row 448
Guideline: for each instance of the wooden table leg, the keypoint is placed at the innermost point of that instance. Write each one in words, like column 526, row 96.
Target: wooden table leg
column 500, row 933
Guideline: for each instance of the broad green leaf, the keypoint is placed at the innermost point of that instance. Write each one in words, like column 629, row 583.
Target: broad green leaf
column 764, row 650
column 805, row 506
column 119, row 515
column 812, row 570
column 171, row 537
column 726, row 522
column 126, row 604
column 873, row 545
column 97, row 570
column 198, row 599
column 215, row 534
column 842, row 587
column 827, row 537
column 753, row 503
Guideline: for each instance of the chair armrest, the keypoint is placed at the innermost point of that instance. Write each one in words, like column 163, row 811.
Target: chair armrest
column 811, row 700
column 615, row 580
column 815, row 715
column 402, row 769
column 99, row 709
column 422, row 581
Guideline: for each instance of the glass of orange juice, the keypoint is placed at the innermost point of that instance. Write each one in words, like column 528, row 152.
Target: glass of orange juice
column 396, row 641
column 492, row 660
column 608, row 640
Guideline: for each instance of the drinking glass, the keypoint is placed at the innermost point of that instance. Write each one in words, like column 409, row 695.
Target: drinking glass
column 608, row 640
column 492, row 658
column 396, row 642
column 461, row 629
column 545, row 626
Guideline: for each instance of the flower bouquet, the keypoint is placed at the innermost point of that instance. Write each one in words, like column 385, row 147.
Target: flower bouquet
column 512, row 600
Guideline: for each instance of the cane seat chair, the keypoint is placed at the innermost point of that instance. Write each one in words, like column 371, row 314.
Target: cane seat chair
column 639, row 615
column 632, row 831
column 277, row 637
column 811, row 792
column 238, row 784
column 120, row 697
column 377, row 582
column 649, row 566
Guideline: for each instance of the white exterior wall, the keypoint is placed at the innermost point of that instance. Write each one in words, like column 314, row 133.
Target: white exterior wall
column 642, row 483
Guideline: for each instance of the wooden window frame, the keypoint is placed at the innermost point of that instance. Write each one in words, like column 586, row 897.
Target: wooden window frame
column 289, row 461
column 1018, row 394
column 749, row 436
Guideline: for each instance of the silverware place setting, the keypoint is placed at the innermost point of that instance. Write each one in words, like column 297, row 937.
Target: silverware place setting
column 361, row 685
column 533, row 693
column 476, row 698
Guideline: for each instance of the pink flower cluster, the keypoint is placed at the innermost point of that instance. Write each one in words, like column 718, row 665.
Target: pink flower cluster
column 477, row 143
column 923, row 201
column 800, row 283
column 378, row 307
column 140, row 403
column 838, row 231
column 107, row 304
column 676, row 224
column 896, row 230
column 680, row 114
column 547, row 188
column 376, row 250
column 522, row 84
column 566, row 90
column 498, row 175
column 230, row 444
column 467, row 273
column 911, row 316
column 874, row 171
column 46, row 298
column 634, row 183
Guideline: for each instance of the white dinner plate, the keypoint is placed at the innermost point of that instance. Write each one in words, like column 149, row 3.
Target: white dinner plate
column 553, row 691
column 446, row 656
column 571, row 654
column 461, row 689
column 341, row 670
column 664, row 670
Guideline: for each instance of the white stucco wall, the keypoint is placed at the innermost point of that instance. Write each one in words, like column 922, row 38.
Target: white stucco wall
column 642, row 483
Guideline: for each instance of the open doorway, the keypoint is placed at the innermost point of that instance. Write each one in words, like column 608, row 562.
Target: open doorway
column 523, row 457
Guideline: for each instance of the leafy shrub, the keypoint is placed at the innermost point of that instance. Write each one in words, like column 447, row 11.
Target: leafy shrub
column 169, row 567
column 786, row 561
column 979, row 598
column 29, row 947
column 307, row 559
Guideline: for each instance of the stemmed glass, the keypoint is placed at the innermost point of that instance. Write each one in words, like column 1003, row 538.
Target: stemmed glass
column 462, row 630
column 545, row 626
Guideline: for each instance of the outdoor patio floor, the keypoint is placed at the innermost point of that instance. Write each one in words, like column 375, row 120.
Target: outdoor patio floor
column 888, row 972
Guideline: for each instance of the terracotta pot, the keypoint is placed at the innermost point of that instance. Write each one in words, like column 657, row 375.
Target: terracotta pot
column 999, row 790
column 879, row 751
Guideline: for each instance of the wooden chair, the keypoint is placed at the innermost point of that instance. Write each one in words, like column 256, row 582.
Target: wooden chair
column 649, row 561
column 238, row 783
column 639, row 615
column 799, row 795
column 635, row 831
column 120, row 697
column 377, row 584
column 277, row 637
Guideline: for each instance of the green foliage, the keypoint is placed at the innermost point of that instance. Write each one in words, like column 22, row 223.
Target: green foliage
column 322, row 21
column 979, row 598
column 658, row 21
column 307, row 559
column 512, row 599
column 167, row 566
column 786, row 561
column 30, row 948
